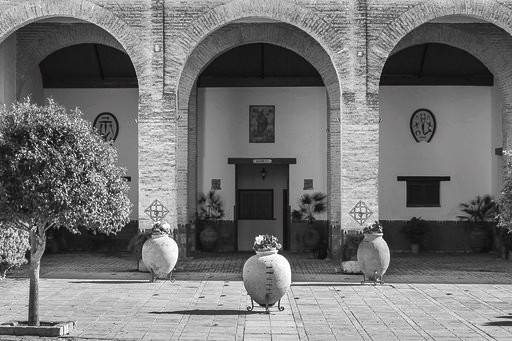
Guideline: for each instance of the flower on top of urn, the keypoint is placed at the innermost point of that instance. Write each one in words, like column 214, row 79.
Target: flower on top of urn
column 376, row 227
column 266, row 242
column 161, row 228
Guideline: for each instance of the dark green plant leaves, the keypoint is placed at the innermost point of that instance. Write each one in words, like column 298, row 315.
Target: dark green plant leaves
column 56, row 171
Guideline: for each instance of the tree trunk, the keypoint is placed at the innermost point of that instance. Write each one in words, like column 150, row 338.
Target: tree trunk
column 37, row 245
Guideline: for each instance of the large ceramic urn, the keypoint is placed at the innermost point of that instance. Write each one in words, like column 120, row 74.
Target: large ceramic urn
column 160, row 254
column 373, row 257
column 267, row 275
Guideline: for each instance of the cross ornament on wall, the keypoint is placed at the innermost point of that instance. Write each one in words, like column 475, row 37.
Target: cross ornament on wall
column 156, row 211
column 360, row 213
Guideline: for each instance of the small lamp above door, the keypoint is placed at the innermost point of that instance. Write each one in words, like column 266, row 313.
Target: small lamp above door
column 263, row 173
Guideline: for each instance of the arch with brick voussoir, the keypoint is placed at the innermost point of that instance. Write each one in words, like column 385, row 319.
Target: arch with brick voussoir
column 226, row 38
column 139, row 50
column 34, row 10
column 281, row 11
column 57, row 39
column 395, row 36
column 382, row 47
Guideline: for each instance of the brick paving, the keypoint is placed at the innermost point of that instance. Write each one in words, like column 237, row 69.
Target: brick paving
column 123, row 305
column 404, row 268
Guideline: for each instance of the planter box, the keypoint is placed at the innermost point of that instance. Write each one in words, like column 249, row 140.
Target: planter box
column 47, row 329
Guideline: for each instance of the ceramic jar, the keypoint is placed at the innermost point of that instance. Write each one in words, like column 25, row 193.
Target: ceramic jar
column 208, row 238
column 160, row 254
column 267, row 275
column 373, row 257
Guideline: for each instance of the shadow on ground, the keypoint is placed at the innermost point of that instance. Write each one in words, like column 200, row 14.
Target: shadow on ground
column 208, row 312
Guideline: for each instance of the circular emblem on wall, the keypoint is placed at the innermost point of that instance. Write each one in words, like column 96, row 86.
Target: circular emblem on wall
column 423, row 125
column 107, row 126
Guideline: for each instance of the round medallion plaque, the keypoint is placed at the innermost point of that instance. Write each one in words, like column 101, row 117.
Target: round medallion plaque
column 107, row 126
column 423, row 125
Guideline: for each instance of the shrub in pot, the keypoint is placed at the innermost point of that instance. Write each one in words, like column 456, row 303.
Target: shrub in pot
column 210, row 211
column 310, row 206
column 414, row 230
column 373, row 254
column 266, row 275
column 479, row 214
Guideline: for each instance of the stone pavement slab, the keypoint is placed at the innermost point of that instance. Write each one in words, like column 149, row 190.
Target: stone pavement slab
column 216, row 310
column 428, row 297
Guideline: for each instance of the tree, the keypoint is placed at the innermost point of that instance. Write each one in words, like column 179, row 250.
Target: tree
column 56, row 172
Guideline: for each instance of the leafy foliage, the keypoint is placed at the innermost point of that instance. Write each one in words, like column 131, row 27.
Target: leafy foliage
column 56, row 171
column 13, row 246
column 504, row 203
column 376, row 227
column 414, row 229
column 210, row 206
column 310, row 205
column 266, row 242
column 478, row 210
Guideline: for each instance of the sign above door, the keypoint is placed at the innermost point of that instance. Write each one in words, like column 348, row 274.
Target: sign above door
column 248, row 160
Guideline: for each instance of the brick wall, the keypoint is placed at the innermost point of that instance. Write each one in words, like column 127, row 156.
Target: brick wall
column 348, row 40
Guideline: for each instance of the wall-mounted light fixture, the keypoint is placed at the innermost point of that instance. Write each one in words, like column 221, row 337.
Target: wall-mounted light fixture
column 263, row 173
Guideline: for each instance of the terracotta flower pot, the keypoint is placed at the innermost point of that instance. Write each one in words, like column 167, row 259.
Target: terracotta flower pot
column 479, row 238
column 160, row 254
column 373, row 257
column 311, row 238
column 267, row 275
column 208, row 238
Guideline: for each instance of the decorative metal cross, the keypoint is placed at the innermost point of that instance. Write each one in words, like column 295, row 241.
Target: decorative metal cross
column 156, row 211
column 360, row 213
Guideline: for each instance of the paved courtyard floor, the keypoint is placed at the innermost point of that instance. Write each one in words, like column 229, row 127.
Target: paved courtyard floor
column 427, row 297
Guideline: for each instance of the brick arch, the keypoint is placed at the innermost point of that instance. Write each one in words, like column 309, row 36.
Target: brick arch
column 493, row 56
column 222, row 40
column 495, row 13
column 139, row 50
column 279, row 10
column 473, row 43
column 234, row 35
column 33, row 10
column 55, row 38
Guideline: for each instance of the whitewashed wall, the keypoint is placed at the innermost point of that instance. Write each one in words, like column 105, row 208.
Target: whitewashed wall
column 468, row 130
column 300, row 132
column 8, row 70
column 123, row 104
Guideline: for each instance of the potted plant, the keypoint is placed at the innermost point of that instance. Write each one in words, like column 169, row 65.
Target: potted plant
column 266, row 275
column 160, row 252
column 479, row 214
column 414, row 231
column 373, row 254
column 210, row 210
column 310, row 206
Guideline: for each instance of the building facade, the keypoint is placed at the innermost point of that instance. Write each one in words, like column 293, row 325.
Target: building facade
column 344, row 130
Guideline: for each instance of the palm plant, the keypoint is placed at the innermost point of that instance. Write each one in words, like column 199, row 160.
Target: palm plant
column 309, row 206
column 210, row 206
column 478, row 210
